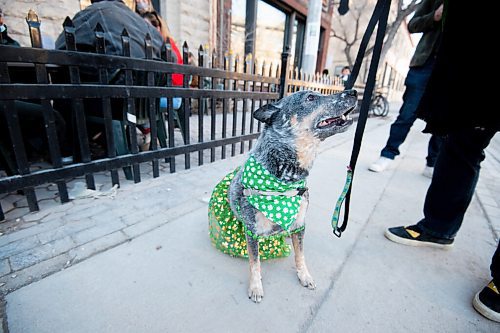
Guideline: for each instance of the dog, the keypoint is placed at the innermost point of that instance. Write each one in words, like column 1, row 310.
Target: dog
column 256, row 206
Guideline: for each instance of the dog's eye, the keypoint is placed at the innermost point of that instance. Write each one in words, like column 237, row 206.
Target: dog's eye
column 312, row 97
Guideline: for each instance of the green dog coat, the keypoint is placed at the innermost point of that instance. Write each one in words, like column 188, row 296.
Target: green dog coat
column 227, row 231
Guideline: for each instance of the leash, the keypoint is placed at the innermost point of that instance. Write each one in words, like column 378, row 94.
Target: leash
column 379, row 16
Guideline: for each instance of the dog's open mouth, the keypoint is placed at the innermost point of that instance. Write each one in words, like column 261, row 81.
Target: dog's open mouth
column 335, row 121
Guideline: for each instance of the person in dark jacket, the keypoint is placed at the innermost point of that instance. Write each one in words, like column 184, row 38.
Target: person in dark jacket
column 114, row 16
column 5, row 39
column 469, row 124
column 426, row 20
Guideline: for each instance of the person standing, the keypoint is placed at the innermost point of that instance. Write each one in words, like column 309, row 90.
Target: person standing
column 5, row 39
column 467, row 135
column 345, row 73
column 427, row 20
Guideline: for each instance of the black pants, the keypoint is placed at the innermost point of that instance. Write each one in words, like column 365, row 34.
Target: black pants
column 455, row 177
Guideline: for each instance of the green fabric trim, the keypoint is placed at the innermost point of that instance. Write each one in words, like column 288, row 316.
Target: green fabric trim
column 280, row 209
column 228, row 233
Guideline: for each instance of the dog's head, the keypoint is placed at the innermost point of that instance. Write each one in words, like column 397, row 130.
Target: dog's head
column 309, row 113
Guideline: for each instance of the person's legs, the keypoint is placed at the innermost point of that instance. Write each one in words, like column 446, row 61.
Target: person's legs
column 448, row 197
column 432, row 153
column 403, row 123
column 455, row 177
column 415, row 82
column 399, row 129
column 433, row 149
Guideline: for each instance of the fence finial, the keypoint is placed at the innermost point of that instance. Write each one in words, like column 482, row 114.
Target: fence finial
column 69, row 34
column 148, row 46
column 99, row 35
column 125, row 43
column 185, row 54
column 34, row 27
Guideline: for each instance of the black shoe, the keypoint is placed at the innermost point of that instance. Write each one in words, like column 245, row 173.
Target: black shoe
column 414, row 236
column 487, row 302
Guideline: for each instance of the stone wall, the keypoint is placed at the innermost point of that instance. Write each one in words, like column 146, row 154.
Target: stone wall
column 51, row 13
column 190, row 21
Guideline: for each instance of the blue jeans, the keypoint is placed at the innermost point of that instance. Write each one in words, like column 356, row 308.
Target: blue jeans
column 455, row 177
column 415, row 82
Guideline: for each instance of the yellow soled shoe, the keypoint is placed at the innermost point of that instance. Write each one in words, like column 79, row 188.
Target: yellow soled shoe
column 414, row 236
column 487, row 302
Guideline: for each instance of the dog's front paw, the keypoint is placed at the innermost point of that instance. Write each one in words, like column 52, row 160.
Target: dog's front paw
column 256, row 292
column 306, row 280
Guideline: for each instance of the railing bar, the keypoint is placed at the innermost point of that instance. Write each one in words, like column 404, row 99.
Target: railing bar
column 77, row 103
column 186, row 102
column 170, row 109
column 152, row 108
column 51, row 132
column 201, row 105
column 11, row 116
column 226, row 85
column 129, row 108
column 93, row 60
column 106, row 106
column 7, row 184
column 66, row 91
column 245, row 103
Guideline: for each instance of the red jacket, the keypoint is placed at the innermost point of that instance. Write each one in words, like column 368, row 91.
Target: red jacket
column 177, row 79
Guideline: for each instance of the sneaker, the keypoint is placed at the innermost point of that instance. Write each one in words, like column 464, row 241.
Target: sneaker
column 487, row 302
column 414, row 236
column 381, row 164
column 428, row 171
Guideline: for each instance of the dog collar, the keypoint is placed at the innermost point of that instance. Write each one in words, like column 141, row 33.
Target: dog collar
column 279, row 201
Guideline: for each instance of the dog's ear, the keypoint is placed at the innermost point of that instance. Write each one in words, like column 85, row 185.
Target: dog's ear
column 266, row 112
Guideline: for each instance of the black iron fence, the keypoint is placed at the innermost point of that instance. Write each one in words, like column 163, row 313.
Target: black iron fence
column 53, row 99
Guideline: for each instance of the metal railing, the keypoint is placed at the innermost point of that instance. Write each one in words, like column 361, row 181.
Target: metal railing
column 83, row 87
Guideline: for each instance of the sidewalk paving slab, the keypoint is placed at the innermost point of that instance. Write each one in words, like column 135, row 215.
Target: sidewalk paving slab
column 161, row 274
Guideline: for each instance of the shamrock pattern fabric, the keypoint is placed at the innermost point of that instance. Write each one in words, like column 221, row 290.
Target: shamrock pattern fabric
column 280, row 209
column 228, row 233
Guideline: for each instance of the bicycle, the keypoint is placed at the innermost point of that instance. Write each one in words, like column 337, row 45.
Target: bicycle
column 379, row 105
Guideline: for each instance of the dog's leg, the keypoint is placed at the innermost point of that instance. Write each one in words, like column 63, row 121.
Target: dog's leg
column 255, row 290
column 302, row 272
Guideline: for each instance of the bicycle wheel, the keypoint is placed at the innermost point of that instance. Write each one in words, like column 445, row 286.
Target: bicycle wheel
column 379, row 106
column 386, row 106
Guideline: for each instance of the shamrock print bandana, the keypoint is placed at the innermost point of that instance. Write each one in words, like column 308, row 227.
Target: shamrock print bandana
column 280, row 209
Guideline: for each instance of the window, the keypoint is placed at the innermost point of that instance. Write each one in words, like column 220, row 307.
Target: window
column 238, row 13
column 270, row 33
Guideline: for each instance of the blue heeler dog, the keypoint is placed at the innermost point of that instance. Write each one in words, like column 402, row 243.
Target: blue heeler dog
column 266, row 198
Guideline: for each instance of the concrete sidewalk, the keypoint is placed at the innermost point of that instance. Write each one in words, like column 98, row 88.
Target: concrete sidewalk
column 143, row 262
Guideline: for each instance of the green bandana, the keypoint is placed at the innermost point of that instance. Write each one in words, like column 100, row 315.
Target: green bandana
column 280, row 209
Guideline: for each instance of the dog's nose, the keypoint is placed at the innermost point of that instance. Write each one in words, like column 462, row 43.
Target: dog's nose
column 351, row 92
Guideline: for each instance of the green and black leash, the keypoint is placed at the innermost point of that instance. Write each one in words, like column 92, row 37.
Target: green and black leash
column 379, row 16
